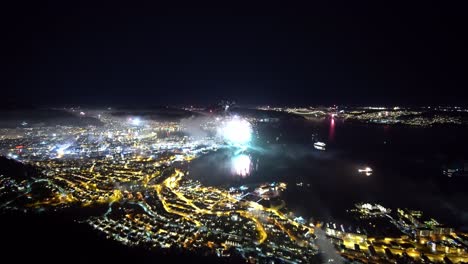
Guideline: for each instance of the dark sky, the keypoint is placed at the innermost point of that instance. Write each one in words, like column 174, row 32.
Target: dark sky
column 275, row 53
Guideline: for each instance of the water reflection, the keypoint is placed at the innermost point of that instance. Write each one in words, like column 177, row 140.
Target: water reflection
column 331, row 132
column 241, row 165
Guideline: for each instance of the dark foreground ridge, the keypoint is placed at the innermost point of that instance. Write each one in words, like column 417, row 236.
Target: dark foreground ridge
column 34, row 237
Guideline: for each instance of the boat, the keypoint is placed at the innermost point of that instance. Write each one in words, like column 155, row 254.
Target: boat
column 366, row 170
column 319, row 145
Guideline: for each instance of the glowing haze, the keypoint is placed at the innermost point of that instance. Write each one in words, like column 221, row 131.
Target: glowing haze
column 236, row 131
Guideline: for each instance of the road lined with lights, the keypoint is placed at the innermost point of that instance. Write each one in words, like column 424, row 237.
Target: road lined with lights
column 172, row 184
column 133, row 173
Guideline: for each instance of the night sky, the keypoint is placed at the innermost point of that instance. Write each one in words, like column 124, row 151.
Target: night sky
column 269, row 53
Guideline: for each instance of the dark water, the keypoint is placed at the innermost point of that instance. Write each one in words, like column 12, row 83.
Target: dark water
column 407, row 164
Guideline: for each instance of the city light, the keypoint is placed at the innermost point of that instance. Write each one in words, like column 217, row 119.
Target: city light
column 61, row 150
column 139, row 171
column 135, row 121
